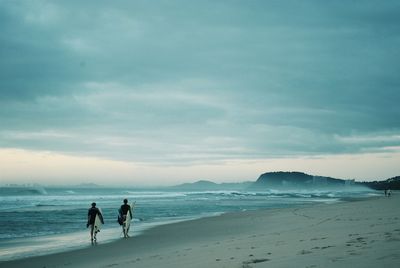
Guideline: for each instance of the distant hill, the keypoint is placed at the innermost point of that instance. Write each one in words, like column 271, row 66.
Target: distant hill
column 87, row 185
column 289, row 180
column 297, row 180
column 204, row 185
column 392, row 183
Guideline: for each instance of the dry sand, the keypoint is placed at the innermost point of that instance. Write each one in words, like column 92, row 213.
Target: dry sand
column 349, row 234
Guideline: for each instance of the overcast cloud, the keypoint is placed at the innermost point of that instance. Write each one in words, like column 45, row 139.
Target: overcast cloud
column 188, row 82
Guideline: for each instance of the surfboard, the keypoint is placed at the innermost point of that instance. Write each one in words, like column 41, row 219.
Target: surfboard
column 128, row 221
column 98, row 223
column 120, row 217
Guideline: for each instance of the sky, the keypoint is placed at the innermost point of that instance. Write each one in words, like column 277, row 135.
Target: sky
column 163, row 92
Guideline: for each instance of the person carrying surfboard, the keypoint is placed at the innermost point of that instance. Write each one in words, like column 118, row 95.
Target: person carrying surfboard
column 126, row 214
column 93, row 214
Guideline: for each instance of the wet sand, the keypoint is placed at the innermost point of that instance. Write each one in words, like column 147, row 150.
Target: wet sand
column 348, row 234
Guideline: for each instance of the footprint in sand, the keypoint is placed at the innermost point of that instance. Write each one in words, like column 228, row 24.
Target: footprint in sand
column 357, row 242
column 246, row 264
column 303, row 252
column 354, row 234
column 335, row 259
column 318, row 238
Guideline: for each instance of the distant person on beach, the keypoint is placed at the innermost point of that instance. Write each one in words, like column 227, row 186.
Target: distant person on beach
column 389, row 193
column 385, row 192
column 92, row 213
column 124, row 210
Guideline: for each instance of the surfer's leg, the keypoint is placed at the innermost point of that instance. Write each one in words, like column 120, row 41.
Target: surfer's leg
column 91, row 231
column 124, row 225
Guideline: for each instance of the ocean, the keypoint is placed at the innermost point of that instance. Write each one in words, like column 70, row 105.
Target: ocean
column 41, row 220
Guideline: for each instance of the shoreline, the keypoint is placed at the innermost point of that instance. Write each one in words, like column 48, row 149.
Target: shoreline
column 22, row 248
column 25, row 247
column 365, row 233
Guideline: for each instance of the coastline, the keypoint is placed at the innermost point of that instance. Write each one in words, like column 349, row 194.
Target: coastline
column 360, row 234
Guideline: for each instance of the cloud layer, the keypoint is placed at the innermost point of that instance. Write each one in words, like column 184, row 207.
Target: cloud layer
column 188, row 82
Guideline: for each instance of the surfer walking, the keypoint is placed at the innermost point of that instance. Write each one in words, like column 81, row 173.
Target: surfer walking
column 124, row 210
column 93, row 212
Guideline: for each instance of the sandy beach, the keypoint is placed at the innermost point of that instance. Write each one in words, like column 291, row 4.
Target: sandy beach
column 348, row 234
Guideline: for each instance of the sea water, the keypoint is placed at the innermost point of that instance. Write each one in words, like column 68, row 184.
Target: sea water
column 41, row 220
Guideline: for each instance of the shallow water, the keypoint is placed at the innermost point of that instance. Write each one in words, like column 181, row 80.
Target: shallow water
column 36, row 221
